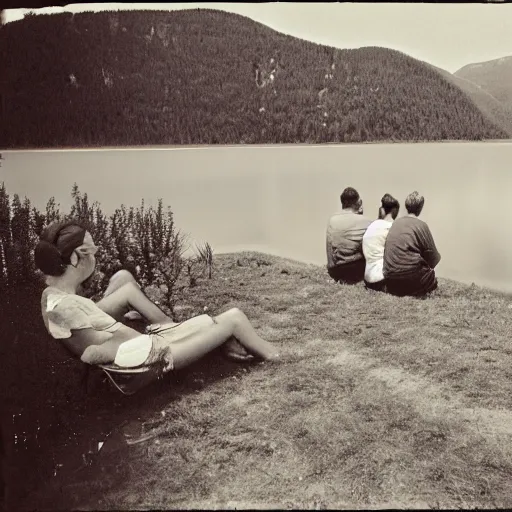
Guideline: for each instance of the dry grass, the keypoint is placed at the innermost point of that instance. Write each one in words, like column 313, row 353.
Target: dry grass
column 379, row 402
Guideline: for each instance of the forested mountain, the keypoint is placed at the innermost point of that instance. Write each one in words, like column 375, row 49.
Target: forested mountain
column 494, row 76
column 498, row 112
column 208, row 77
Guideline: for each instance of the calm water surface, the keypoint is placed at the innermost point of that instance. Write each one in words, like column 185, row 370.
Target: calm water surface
column 278, row 199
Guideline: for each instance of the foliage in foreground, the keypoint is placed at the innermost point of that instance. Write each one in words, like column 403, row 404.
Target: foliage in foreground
column 143, row 240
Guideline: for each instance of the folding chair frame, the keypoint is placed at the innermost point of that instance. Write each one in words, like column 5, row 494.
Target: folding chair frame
column 151, row 373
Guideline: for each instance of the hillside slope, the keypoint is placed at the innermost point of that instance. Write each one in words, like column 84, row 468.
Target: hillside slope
column 495, row 76
column 206, row 77
column 497, row 112
column 380, row 402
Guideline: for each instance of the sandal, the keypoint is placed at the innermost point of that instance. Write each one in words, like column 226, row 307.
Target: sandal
column 240, row 358
column 233, row 350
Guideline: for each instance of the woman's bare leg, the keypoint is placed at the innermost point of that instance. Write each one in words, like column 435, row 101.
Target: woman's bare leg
column 244, row 332
column 231, row 323
column 116, row 281
column 124, row 294
column 119, row 279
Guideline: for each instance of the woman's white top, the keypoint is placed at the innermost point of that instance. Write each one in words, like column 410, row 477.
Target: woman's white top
column 374, row 240
column 63, row 312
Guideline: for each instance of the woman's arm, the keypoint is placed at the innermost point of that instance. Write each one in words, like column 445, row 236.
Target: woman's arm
column 82, row 338
column 101, row 354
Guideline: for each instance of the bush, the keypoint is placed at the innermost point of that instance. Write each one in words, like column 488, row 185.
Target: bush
column 142, row 240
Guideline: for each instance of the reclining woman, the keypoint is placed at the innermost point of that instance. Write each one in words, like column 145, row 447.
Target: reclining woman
column 374, row 240
column 95, row 332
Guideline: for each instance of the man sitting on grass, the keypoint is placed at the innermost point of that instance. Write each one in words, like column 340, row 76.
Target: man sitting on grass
column 374, row 241
column 345, row 260
column 410, row 254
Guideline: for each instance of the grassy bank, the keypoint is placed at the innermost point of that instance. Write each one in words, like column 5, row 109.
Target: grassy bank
column 379, row 402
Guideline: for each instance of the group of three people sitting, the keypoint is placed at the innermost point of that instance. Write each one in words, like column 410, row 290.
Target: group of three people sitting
column 389, row 254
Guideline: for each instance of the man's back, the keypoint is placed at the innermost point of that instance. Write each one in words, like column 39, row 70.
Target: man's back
column 344, row 238
column 409, row 248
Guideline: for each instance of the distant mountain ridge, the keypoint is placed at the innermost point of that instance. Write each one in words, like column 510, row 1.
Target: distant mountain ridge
column 211, row 77
column 496, row 111
column 494, row 76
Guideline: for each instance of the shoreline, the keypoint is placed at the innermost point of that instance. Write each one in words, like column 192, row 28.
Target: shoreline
column 275, row 254
column 298, row 145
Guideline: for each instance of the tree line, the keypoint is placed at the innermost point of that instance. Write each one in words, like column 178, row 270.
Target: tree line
column 209, row 77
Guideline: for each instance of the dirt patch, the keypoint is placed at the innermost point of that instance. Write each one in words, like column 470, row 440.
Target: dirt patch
column 429, row 399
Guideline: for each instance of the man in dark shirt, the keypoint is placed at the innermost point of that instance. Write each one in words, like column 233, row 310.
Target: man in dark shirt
column 345, row 259
column 410, row 254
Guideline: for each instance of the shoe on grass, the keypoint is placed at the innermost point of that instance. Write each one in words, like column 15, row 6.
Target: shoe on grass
column 233, row 350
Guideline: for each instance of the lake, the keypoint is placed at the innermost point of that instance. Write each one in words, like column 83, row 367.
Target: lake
column 278, row 198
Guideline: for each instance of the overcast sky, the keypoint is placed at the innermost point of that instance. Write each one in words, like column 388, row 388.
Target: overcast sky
column 446, row 35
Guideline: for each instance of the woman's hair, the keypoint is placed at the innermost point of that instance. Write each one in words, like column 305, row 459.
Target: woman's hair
column 56, row 245
column 414, row 203
column 389, row 203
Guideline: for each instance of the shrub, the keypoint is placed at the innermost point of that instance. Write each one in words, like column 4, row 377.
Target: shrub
column 143, row 240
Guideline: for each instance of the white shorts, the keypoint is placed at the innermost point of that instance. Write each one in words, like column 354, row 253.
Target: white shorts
column 158, row 338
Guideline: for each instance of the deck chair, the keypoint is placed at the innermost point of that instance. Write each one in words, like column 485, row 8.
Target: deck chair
column 126, row 380
column 130, row 380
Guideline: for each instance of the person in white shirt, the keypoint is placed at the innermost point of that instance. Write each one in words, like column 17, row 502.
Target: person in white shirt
column 374, row 240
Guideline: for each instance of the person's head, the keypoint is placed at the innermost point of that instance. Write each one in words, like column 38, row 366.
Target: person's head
column 350, row 200
column 66, row 247
column 390, row 206
column 414, row 203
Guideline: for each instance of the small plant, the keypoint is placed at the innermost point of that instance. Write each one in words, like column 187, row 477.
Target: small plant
column 205, row 255
column 192, row 275
column 168, row 270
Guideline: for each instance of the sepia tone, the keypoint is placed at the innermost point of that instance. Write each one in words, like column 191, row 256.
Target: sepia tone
column 202, row 76
column 376, row 401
